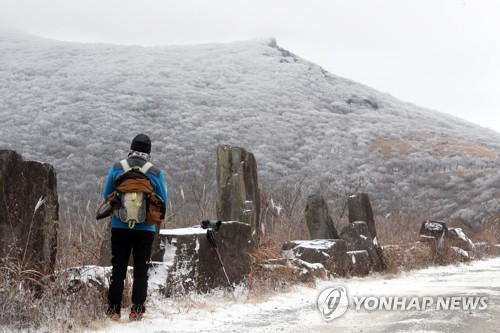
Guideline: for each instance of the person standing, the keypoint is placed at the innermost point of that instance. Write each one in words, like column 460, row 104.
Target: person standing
column 132, row 238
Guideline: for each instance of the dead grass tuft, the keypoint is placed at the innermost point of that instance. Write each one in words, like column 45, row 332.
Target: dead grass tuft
column 264, row 279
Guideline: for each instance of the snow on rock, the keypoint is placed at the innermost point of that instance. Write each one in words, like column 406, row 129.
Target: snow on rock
column 296, row 270
column 328, row 252
column 357, row 237
column 461, row 252
column 433, row 228
column 456, row 237
column 96, row 276
column 191, row 263
column 359, row 263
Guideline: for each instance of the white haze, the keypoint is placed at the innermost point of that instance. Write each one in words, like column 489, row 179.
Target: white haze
column 440, row 54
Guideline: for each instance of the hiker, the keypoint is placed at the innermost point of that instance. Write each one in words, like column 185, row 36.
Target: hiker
column 134, row 235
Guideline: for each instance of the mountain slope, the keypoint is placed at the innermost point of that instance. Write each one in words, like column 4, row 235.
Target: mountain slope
column 77, row 106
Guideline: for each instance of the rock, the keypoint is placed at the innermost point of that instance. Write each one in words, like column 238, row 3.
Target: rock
column 318, row 220
column 461, row 254
column 434, row 231
column 238, row 188
column 280, row 272
column 457, row 238
column 29, row 212
column 331, row 253
column 90, row 276
column 191, row 261
column 358, row 263
column 358, row 238
column 360, row 209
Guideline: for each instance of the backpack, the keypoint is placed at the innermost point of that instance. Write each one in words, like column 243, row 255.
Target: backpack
column 134, row 200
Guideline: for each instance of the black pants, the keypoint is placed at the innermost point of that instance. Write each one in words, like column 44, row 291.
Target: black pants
column 124, row 241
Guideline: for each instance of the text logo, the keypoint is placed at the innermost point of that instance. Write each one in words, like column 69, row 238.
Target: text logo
column 332, row 302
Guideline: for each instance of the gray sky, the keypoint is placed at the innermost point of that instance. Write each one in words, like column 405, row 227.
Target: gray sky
column 440, row 54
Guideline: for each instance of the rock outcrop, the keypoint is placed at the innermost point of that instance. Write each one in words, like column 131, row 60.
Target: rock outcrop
column 358, row 238
column 29, row 212
column 359, row 263
column 192, row 262
column 238, row 188
column 457, row 238
column 318, row 219
column 331, row 253
column 360, row 209
column 433, row 231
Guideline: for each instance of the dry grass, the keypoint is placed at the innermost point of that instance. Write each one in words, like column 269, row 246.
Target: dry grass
column 404, row 251
column 490, row 232
column 29, row 301
column 438, row 145
column 261, row 281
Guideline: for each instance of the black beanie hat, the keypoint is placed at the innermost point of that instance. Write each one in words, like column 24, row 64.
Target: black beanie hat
column 141, row 143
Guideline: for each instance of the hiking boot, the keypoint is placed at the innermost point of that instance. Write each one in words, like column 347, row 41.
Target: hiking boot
column 114, row 316
column 134, row 316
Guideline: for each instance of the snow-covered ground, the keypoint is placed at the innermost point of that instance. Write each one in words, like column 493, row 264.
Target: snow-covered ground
column 296, row 311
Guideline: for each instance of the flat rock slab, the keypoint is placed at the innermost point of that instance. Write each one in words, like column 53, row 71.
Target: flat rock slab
column 331, row 253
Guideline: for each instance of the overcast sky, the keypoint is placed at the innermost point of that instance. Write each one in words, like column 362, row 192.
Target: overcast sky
column 440, row 54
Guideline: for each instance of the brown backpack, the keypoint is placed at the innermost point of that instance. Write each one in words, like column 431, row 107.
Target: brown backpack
column 134, row 200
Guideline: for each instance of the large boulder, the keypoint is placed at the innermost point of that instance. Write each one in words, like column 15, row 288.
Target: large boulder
column 358, row 238
column 29, row 212
column 238, row 188
column 318, row 220
column 192, row 263
column 331, row 253
column 360, row 209
column 457, row 238
column 89, row 276
column 460, row 244
column 359, row 263
column 433, row 231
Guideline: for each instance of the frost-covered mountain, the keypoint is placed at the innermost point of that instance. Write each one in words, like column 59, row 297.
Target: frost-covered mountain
column 77, row 106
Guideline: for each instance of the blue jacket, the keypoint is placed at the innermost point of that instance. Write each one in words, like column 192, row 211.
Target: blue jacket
column 154, row 174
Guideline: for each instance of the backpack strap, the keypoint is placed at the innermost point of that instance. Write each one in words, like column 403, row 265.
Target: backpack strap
column 145, row 168
column 126, row 167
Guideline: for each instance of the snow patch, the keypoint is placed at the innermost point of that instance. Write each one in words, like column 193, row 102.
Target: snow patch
column 317, row 244
column 183, row 231
column 169, row 254
column 460, row 251
column 433, row 226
